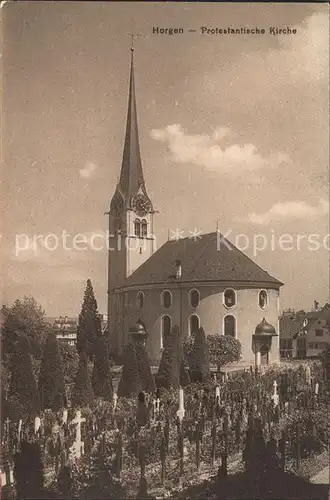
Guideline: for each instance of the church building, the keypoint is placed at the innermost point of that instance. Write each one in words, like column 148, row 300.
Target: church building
column 190, row 282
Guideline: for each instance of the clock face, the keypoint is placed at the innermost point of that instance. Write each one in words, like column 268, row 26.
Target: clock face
column 141, row 205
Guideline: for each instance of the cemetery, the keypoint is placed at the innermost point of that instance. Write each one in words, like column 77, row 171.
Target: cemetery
column 181, row 433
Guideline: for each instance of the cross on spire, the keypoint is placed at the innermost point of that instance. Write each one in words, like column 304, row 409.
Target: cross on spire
column 132, row 35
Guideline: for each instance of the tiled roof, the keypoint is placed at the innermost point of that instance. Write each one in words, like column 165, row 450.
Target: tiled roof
column 290, row 326
column 293, row 325
column 202, row 259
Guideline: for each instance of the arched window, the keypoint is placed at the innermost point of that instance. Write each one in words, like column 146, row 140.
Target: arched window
column 144, row 228
column 194, row 298
column 140, row 300
column 230, row 325
column 137, row 227
column 229, row 297
column 263, row 299
column 193, row 324
column 166, row 326
column 166, row 299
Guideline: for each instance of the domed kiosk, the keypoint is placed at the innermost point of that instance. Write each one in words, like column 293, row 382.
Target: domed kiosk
column 262, row 342
column 138, row 333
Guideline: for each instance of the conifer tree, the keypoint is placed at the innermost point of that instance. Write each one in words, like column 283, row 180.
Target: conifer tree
column 23, row 387
column 184, row 373
column 89, row 323
column 129, row 384
column 199, row 363
column 51, row 385
column 147, row 381
column 101, row 376
column 169, row 368
column 82, row 393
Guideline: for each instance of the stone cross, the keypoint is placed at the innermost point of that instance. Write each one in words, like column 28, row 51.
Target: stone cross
column 308, row 375
column 78, row 445
column 316, row 388
column 275, row 396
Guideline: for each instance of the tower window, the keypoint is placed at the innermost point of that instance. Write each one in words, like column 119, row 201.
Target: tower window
column 140, row 300
column 263, row 299
column 166, row 325
column 166, row 299
column 229, row 298
column 230, row 326
column 144, row 228
column 193, row 324
column 194, row 298
column 137, row 227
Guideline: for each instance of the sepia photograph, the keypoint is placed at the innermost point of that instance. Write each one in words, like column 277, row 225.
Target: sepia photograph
column 164, row 251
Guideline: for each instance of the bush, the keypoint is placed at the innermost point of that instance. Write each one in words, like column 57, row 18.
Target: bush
column 23, row 387
column 223, row 349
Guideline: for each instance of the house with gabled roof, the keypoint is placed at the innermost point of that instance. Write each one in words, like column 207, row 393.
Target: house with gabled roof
column 313, row 336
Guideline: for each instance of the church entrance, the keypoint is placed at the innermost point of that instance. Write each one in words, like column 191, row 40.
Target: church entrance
column 264, row 355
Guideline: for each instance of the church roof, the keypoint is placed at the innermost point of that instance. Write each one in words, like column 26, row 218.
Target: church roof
column 202, row 259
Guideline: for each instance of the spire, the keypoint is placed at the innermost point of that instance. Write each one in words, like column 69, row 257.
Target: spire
column 131, row 176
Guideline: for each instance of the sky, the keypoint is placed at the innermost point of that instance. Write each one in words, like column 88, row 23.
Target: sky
column 234, row 134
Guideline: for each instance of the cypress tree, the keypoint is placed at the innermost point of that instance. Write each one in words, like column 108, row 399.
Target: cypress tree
column 51, row 385
column 184, row 373
column 89, row 323
column 82, row 393
column 168, row 374
column 129, row 384
column 199, row 364
column 23, row 387
column 101, row 376
column 147, row 380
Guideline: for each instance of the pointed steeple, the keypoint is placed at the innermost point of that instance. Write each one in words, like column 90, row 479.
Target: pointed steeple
column 131, row 176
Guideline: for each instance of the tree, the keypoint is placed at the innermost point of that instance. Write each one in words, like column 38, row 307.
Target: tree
column 82, row 393
column 51, row 385
column 24, row 317
column 129, row 384
column 199, row 358
column 23, row 387
column 70, row 362
column 101, row 376
column 89, row 323
column 223, row 349
column 168, row 374
column 147, row 381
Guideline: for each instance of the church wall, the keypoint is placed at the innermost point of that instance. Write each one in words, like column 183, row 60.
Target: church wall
column 211, row 312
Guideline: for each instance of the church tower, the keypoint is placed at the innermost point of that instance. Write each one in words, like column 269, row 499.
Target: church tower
column 131, row 217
